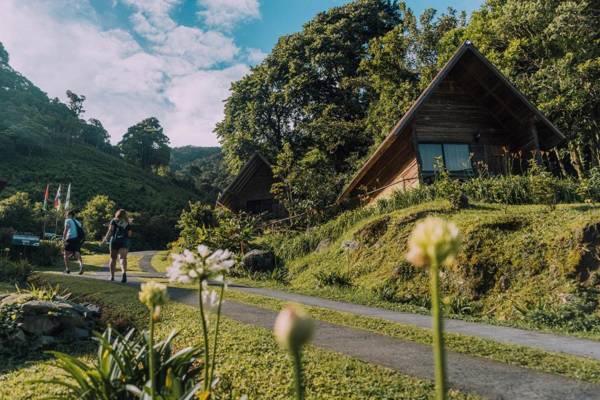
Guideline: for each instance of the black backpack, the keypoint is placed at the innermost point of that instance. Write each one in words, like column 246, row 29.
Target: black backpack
column 80, row 231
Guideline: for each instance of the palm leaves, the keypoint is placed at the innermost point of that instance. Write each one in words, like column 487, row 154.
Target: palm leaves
column 121, row 370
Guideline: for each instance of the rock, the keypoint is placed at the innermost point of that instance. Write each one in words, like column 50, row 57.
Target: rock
column 40, row 325
column 44, row 341
column 39, row 307
column 323, row 244
column 92, row 309
column 16, row 298
column 259, row 260
column 349, row 245
column 19, row 336
column 76, row 333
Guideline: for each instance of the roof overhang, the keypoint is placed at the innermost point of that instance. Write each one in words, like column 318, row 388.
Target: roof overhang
column 404, row 123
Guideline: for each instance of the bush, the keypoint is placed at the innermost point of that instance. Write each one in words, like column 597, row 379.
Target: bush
column 96, row 215
column 48, row 253
column 19, row 213
column 14, row 271
column 122, row 363
column 12, row 343
column 333, row 278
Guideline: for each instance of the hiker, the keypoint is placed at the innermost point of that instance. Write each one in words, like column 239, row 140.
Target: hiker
column 118, row 235
column 73, row 238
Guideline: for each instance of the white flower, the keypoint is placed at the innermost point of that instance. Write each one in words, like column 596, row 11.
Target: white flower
column 190, row 267
column 210, row 299
column 433, row 240
column 203, row 250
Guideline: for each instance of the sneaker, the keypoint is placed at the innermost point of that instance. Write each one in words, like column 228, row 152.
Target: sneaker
column 124, row 278
column 66, row 271
column 112, row 278
column 81, row 271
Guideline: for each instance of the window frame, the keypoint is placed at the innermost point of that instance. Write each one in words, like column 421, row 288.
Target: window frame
column 442, row 144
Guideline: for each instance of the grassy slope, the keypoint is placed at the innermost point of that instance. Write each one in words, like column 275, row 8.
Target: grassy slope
column 513, row 258
column 92, row 172
column 252, row 364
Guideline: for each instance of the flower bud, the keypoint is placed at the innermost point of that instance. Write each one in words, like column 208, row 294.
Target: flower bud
column 293, row 327
column 153, row 295
column 433, row 240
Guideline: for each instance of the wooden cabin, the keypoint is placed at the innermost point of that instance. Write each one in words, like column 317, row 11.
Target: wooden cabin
column 470, row 114
column 250, row 191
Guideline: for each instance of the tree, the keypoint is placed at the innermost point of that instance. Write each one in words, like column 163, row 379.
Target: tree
column 549, row 49
column 309, row 92
column 96, row 215
column 145, row 144
column 76, row 103
column 18, row 212
column 94, row 134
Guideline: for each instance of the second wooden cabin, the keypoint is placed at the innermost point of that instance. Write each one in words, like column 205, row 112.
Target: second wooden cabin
column 469, row 113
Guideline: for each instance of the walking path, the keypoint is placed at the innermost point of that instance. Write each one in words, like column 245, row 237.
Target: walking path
column 543, row 341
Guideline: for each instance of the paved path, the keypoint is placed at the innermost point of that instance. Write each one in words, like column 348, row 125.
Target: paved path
column 487, row 378
column 543, row 341
column 145, row 262
column 539, row 340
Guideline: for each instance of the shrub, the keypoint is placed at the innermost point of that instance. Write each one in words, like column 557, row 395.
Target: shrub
column 14, row 271
column 12, row 343
column 332, row 278
column 19, row 213
column 122, row 361
column 48, row 253
column 96, row 215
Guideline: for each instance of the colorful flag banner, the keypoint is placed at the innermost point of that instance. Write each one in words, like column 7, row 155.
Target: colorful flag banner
column 46, row 197
column 68, row 199
column 57, row 198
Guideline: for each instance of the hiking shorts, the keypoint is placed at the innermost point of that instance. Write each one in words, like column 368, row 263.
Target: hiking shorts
column 119, row 244
column 73, row 245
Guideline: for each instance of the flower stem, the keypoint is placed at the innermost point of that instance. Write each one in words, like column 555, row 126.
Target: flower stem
column 151, row 356
column 214, row 351
column 205, row 334
column 438, row 335
column 299, row 384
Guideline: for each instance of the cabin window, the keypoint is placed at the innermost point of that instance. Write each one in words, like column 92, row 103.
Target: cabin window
column 259, row 206
column 454, row 156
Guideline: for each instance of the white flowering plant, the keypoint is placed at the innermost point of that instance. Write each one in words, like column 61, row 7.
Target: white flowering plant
column 204, row 267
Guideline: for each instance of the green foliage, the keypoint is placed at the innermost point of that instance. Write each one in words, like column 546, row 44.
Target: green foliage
column 121, row 369
column 332, row 278
column 17, row 212
column 193, row 224
column 48, row 253
column 14, row 271
column 145, row 144
column 11, row 344
column 555, row 62
column 96, row 215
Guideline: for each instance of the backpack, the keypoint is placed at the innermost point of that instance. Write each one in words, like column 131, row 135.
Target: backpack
column 80, row 231
column 120, row 232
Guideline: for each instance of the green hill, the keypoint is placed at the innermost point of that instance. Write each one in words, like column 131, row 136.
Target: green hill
column 93, row 172
column 523, row 264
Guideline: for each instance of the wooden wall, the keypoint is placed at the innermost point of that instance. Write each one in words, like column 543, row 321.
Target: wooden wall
column 258, row 187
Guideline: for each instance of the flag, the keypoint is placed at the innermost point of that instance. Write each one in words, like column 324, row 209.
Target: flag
column 57, row 198
column 46, row 196
column 68, row 199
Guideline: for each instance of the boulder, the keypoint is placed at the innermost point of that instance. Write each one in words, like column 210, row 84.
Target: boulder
column 39, row 307
column 259, row 260
column 76, row 333
column 40, row 324
column 43, row 341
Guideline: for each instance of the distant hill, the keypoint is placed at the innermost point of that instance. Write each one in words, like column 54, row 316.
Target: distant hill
column 201, row 167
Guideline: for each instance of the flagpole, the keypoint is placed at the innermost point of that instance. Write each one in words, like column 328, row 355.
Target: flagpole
column 46, row 194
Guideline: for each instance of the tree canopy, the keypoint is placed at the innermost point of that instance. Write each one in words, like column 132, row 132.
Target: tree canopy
column 145, row 144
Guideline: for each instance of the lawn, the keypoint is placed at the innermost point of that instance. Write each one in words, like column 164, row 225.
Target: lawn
column 252, row 363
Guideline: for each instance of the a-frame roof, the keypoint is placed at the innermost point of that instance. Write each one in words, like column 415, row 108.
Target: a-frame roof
column 549, row 135
column 243, row 177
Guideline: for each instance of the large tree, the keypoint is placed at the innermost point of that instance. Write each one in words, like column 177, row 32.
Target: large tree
column 309, row 92
column 551, row 50
column 145, row 144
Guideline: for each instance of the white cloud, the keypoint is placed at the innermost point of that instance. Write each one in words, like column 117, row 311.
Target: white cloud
column 173, row 77
column 224, row 14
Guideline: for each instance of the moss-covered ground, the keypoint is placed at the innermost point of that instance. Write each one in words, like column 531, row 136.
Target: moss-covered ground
column 527, row 265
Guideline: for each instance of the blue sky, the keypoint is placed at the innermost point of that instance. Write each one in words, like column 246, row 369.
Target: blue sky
column 173, row 59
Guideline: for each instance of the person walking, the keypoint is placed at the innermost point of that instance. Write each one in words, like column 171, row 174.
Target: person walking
column 73, row 237
column 118, row 237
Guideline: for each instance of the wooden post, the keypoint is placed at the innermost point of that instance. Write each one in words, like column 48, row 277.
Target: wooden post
column 536, row 140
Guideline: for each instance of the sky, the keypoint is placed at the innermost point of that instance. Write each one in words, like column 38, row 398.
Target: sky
column 172, row 59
